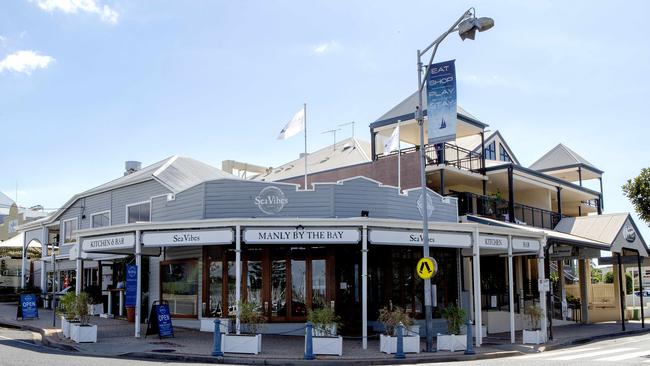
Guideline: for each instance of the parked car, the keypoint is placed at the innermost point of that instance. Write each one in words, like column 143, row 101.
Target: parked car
column 646, row 293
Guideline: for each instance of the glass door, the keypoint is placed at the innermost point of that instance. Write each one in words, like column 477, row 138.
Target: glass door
column 179, row 285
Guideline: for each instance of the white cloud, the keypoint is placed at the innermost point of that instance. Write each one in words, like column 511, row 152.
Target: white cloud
column 25, row 62
column 75, row 6
column 325, row 47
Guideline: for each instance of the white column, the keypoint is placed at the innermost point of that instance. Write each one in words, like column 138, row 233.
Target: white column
column 23, row 263
column 138, row 291
column 563, row 303
column 364, row 287
column 477, row 289
column 79, row 270
column 542, row 294
column 470, row 286
column 238, row 273
column 520, row 281
column 44, row 236
column 511, row 292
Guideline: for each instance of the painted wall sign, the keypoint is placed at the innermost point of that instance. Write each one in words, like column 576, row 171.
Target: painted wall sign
column 441, row 102
column 302, row 236
column 187, row 237
column 629, row 233
column 271, row 200
column 131, row 284
column 104, row 243
column 493, row 242
column 525, row 244
column 28, row 308
column 414, row 238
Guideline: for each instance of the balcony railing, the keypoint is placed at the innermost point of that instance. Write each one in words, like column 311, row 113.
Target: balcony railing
column 496, row 208
column 447, row 154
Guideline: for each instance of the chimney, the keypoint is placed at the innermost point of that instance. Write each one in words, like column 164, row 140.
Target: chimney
column 131, row 167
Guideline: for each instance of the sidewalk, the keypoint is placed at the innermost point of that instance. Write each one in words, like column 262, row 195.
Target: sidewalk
column 116, row 339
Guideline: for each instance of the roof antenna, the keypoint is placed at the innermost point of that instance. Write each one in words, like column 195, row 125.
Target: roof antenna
column 348, row 124
column 334, row 133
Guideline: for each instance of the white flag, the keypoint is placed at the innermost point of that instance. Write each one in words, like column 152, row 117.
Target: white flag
column 392, row 143
column 294, row 126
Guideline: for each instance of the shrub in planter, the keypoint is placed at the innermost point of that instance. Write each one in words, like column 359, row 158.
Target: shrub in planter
column 83, row 332
column 391, row 318
column 324, row 338
column 67, row 311
column 249, row 341
column 95, row 301
column 453, row 341
column 533, row 335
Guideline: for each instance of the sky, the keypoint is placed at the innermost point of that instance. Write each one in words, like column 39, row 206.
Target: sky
column 88, row 84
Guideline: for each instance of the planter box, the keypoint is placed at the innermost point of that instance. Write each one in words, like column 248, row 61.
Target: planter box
column 251, row 344
column 388, row 344
column 83, row 333
column 463, row 330
column 532, row 337
column 95, row 309
column 207, row 325
column 451, row 342
column 65, row 327
column 328, row 331
column 327, row 345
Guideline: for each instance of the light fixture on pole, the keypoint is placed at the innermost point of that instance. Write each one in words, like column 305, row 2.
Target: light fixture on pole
column 466, row 26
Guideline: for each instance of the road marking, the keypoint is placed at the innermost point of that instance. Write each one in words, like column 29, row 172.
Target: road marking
column 625, row 356
column 18, row 340
column 559, row 353
column 592, row 354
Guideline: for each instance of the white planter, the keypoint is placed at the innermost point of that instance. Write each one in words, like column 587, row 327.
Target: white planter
column 451, row 342
column 95, row 309
column 207, row 325
column 251, row 344
column 324, row 331
column 327, row 345
column 463, row 330
column 83, row 333
column 388, row 344
column 532, row 337
column 65, row 327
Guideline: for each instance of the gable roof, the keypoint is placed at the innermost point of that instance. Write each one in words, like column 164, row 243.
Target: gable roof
column 5, row 201
column 561, row 157
column 344, row 153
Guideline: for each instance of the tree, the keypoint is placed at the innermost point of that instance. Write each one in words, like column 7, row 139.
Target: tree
column 609, row 278
column 596, row 275
column 637, row 190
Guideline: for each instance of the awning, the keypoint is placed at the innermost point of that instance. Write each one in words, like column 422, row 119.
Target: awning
column 17, row 242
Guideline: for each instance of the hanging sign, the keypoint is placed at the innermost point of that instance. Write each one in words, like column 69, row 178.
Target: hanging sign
column 441, row 102
column 131, row 284
column 27, row 308
column 426, row 268
column 415, row 238
column 325, row 235
column 187, row 238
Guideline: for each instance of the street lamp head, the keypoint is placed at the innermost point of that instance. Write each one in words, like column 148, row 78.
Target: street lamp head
column 468, row 27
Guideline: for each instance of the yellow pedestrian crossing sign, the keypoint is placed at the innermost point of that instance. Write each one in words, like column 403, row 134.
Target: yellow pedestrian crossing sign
column 426, row 268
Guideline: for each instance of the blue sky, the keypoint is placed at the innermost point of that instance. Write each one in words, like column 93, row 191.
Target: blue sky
column 88, row 84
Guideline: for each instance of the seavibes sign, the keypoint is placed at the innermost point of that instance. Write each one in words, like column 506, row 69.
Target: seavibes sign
column 187, row 238
column 329, row 235
column 108, row 243
column 414, row 238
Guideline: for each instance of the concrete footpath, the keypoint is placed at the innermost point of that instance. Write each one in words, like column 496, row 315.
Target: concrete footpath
column 116, row 339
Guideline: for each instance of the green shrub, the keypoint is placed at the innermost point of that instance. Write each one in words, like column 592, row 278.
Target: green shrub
column 391, row 318
column 250, row 317
column 67, row 306
column 322, row 318
column 455, row 317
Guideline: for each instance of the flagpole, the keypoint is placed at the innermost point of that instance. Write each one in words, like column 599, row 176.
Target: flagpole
column 304, row 106
column 399, row 158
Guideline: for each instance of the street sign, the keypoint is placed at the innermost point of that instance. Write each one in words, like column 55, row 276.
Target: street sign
column 426, row 268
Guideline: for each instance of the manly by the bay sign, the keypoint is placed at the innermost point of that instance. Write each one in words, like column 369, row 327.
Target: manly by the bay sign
column 301, row 236
column 187, row 237
column 104, row 243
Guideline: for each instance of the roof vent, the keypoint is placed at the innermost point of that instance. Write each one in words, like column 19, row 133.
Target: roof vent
column 131, row 167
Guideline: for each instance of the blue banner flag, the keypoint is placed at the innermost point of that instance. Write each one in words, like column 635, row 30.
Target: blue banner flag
column 441, row 102
column 165, row 328
column 131, row 284
column 28, row 306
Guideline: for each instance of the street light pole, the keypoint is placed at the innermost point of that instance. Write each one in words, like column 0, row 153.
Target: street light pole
column 466, row 25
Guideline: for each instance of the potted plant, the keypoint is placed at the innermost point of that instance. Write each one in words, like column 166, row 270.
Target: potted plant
column 67, row 312
column 391, row 318
column 95, row 301
column 533, row 335
column 453, row 341
column 249, row 340
column 324, row 338
column 83, row 332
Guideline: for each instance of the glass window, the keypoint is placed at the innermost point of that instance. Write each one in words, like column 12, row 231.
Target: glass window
column 254, row 283
column 215, row 285
column 298, row 287
column 318, row 283
column 139, row 212
column 100, row 220
column 503, row 154
column 179, row 287
column 68, row 227
column 232, row 286
column 491, row 151
column 278, row 287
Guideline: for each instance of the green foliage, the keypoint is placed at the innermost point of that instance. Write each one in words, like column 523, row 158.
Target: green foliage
column 67, row 305
column 554, row 276
column 455, row 317
column 81, row 308
column 534, row 314
column 609, row 277
column 322, row 318
column 596, row 275
column 391, row 318
column 637, row 190
column 250, row 317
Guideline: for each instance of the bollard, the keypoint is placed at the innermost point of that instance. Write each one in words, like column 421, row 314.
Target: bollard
column 399, row 353
column 309, row 342
column 216, row 350
column 469, row 350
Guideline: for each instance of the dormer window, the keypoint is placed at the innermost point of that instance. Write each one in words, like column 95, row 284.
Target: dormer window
column 503, row 154
column 491, row 151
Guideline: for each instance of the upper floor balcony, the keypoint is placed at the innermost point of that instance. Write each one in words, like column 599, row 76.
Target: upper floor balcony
column 447, row 154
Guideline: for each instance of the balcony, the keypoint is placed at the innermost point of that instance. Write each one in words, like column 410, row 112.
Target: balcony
column 496, row 208
column 447, row 154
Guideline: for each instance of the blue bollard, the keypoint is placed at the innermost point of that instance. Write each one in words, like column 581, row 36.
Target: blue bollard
column 399, row 353
column 469, row 350
column 216, row 349
column 309, row 342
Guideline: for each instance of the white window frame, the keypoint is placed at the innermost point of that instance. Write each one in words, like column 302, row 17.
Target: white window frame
column 126, row 211
column 63, row 230
column 100, row 213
